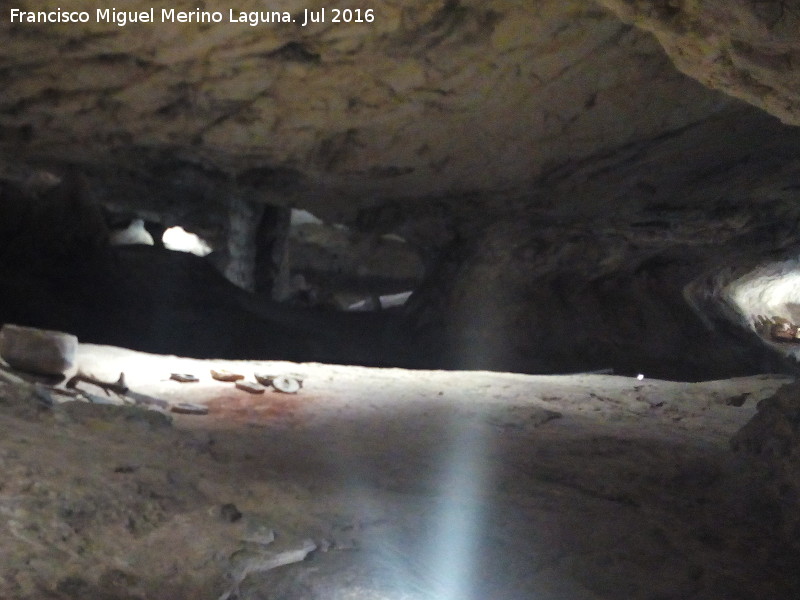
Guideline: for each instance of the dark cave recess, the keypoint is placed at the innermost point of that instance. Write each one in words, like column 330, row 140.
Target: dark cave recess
column 482, row 304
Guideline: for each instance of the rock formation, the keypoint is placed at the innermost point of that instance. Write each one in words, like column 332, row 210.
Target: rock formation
column 556, row 193
column 746, row 49
column 562, row 185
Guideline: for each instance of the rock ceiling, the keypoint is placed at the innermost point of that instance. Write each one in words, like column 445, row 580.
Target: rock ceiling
column 431, row 99
column 747, row 49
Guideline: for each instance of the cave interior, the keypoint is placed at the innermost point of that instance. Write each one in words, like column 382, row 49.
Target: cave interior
column 546, row 188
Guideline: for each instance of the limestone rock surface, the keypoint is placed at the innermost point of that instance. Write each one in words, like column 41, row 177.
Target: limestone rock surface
column 747, row 49
column 434, row 97
column 37, row 350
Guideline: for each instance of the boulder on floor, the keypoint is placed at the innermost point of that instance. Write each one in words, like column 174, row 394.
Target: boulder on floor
column 37, row 350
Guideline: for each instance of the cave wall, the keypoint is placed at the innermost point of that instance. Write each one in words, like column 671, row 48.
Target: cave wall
column 59, row 271
column 542, row 288
column 570, row 299
column 565, row 194
column 639, row 284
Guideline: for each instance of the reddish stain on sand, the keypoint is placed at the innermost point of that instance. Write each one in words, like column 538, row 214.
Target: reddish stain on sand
column 241, row 407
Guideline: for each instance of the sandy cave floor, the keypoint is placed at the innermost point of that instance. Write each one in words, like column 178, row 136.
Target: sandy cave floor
column 412, row 485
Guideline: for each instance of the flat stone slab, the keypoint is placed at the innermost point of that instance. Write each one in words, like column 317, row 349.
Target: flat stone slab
column 223, row 375
column 184, row 377
column 251, row 387
column 38, row 350
column 189, row 408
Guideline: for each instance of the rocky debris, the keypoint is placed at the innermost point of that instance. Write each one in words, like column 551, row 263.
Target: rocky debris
column 76, row 495
column 189, row 408
column 47, row 396
column 87, row 413
column 288, row 384
column 146, row 400
column 251, row 387
column 124, row 394
column 37, row 350
column 257, row 558
column 259, row 551
column 602, row 504
column 50, row 396
column 785, row 332
column 76, row 405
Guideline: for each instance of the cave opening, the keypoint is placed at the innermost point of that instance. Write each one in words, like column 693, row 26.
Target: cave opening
column 176, row 238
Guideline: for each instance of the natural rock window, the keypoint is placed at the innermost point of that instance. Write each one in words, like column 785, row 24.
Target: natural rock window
column 333, row 265
column 767, row 300
column 180, row 240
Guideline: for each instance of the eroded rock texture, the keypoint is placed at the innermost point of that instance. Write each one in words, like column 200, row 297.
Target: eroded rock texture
column 557, row 195
column 744, row 48
column 432, row 98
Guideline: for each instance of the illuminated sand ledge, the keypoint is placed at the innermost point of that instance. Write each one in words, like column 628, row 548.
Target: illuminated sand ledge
column 410, row 485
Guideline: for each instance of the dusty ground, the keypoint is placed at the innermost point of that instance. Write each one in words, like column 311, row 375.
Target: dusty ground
column 412, row 486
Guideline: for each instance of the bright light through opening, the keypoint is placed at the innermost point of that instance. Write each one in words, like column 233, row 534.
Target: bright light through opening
column 766, row 297
column 180, row 240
